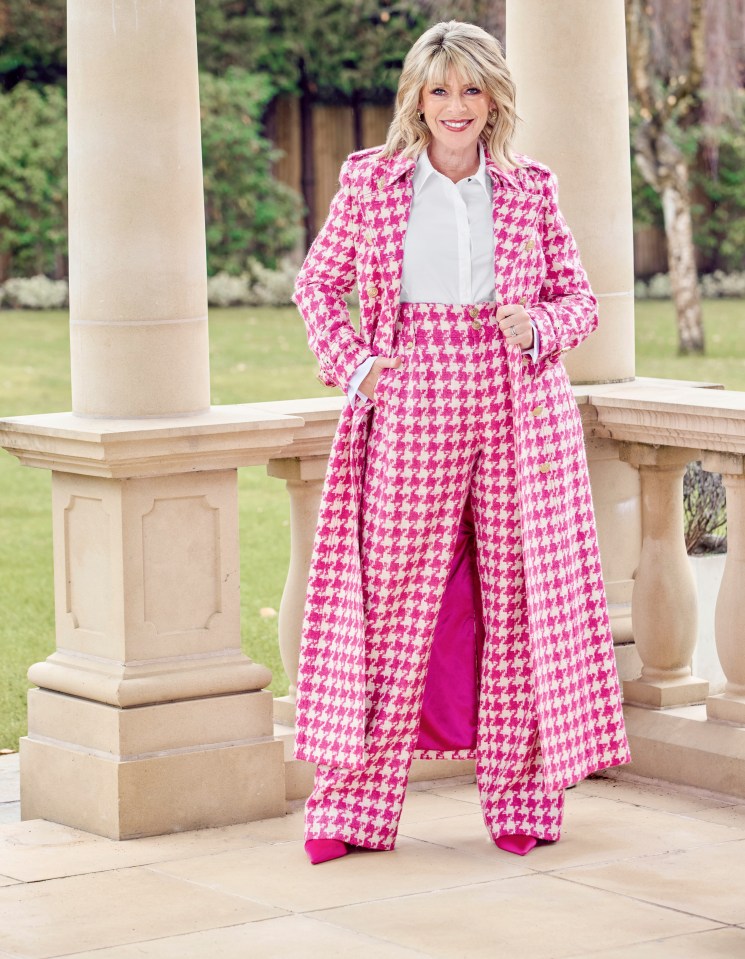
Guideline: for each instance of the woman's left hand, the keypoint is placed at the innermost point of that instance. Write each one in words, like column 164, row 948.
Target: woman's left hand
column 514, row 322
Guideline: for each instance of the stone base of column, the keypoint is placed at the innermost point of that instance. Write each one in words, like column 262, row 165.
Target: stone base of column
column 680, row 746
column 167, row 767
column 665, row 693
column 726, row 708
column 284, row 711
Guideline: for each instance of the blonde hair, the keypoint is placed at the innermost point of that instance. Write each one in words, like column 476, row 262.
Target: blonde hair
column 476, row 57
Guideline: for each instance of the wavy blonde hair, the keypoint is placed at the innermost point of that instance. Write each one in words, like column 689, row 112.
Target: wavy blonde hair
column 476, row 56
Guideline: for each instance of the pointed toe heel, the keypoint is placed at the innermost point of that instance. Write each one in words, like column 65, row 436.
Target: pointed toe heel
column 323, row 850
column 518, row 844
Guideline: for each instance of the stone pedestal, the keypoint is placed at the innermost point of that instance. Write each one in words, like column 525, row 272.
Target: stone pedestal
column 149, row 718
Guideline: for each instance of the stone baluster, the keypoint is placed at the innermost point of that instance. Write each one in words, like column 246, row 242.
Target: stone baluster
column 729, row 706
column 664, row 604
column 304, row 478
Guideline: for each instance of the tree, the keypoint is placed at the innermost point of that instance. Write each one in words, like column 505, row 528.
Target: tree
column 32, row 42
column 680, row 75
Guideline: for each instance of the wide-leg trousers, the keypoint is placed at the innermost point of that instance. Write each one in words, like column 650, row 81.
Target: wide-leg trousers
column 441, row 431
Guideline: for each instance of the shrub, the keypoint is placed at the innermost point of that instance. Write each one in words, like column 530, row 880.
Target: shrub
column 33, row 174
column 250, row 215
column 35, row 293
column 704, row 510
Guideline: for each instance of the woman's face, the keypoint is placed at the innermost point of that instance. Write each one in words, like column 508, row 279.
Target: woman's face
column 455, row 112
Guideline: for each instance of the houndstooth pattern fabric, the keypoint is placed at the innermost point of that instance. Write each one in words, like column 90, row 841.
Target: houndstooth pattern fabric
column 571, row 663
column 419, row 470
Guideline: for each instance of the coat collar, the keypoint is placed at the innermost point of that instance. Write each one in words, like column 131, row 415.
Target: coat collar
column 400, row 166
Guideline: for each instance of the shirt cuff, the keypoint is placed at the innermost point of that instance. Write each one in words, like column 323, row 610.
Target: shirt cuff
column 536, row 347
column 356, row 379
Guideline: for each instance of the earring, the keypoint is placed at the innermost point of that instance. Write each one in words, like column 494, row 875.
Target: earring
column 420, row 114
column 493, row 115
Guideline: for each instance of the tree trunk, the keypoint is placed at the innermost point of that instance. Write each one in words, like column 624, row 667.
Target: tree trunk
column 663, row 165
column 307, row 157
column 676, row 206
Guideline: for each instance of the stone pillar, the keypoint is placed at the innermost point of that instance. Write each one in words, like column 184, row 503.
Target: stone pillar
column 568, row 61
column 138, row 283
column 664, row 602
column 148, row 717
column 729, row 706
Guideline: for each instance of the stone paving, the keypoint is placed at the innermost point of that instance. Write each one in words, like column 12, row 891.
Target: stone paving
column 643, row 872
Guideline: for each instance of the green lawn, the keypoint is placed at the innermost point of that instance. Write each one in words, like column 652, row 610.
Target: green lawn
column 257, row 354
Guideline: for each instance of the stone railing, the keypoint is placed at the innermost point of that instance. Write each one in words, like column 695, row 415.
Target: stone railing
column 656, row 427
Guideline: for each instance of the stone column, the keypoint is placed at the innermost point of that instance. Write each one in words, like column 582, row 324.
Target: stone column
column 664, row 601
column 148, row 717
column 568, row 61
column 729, row 618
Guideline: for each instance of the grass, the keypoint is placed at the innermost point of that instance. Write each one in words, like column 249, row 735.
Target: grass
column 256, row 354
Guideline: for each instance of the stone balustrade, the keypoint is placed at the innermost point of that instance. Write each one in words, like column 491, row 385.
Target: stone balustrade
column 677, row 730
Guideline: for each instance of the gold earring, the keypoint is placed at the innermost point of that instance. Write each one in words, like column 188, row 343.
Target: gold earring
column 493, row 115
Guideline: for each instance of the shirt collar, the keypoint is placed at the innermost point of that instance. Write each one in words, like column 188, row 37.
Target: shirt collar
column 424, row 170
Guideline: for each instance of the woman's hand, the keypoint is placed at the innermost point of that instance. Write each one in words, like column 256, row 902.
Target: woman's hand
column 514, row 322
column 367, row 386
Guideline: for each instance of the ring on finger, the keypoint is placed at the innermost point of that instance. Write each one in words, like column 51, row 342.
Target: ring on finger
column 513, row 331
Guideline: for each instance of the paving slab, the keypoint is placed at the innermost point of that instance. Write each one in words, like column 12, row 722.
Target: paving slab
column 280, row 875
column 61, row 916
column 728, row 943
column 35, row 849
column 292, row 936
column 533, row 917
column 707, row 881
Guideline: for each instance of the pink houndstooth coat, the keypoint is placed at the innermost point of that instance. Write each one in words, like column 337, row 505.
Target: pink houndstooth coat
column 536, row 264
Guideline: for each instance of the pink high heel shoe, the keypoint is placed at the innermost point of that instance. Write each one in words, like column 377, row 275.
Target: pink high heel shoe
column 323, row 850
column 518, row 844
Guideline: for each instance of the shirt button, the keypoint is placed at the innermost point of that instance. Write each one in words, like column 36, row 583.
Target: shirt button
column 409, row 344
column 545, row 467
column 523, row 300
column 530, row 244
column 473, row 312
column 537, row 410
column 476, row 324
column 372, row 290
column 369, row 236
column 381, row 182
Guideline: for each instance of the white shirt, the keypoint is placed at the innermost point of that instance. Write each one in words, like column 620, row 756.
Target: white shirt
column 448, row 248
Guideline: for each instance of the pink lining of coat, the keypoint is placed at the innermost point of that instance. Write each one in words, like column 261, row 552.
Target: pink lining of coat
column 449, row 717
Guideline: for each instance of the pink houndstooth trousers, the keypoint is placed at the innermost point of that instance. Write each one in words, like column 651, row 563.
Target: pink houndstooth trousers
column 441, row 434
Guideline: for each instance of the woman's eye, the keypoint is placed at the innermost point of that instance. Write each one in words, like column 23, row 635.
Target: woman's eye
column 474, row 91
column 437, row 91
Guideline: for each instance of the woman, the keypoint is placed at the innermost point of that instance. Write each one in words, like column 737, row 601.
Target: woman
column 455, row 603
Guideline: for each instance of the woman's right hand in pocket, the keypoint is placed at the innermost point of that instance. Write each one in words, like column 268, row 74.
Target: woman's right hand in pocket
column 380, row 363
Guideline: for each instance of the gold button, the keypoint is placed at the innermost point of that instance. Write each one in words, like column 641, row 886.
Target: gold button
column 545, row 467
column 530, row 244
column 526, row 361
column 476, row 324
column 523, row 300
column 369, row 236
column 409, row 344
column 537, row 410
column 381, row 182
column 473, row 312
column 372, row 290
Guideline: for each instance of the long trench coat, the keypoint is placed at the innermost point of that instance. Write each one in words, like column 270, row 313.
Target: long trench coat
column 536, row 264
